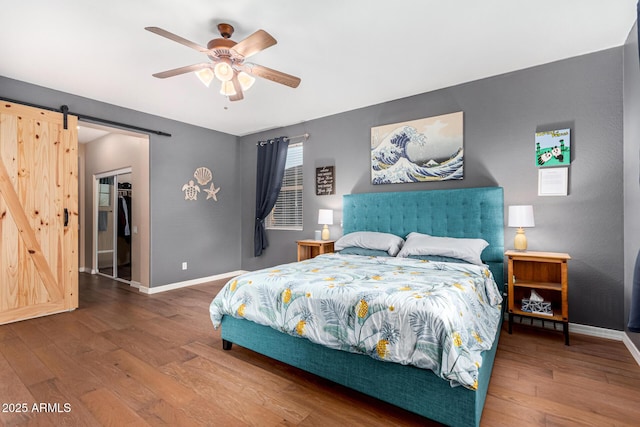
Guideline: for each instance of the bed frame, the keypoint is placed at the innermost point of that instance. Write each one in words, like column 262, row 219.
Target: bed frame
column 471, row 213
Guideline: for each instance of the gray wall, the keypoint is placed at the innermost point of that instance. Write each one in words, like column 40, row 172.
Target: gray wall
column 631, row 168
column 501, row 116
column 203, row 233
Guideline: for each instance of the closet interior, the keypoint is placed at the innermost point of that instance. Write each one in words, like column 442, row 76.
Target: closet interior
column 114, row 229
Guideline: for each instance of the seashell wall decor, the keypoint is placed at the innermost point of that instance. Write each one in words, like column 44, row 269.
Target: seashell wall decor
column 203, row 176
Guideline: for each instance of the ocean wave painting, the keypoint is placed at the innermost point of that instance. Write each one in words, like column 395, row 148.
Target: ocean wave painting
column 422, row 150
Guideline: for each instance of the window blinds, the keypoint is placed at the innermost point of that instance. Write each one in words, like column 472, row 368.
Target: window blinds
column 287, row 213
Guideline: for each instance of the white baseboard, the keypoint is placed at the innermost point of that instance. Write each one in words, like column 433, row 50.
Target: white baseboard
column 635, row 352
column 178, row 285
column 596, row 331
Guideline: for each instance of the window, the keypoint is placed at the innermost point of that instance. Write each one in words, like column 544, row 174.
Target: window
column 287, row 213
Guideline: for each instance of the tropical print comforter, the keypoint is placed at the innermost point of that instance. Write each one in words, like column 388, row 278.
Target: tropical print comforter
column 433, row 315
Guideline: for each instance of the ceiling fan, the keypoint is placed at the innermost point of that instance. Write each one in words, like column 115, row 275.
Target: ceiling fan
column 227, row 61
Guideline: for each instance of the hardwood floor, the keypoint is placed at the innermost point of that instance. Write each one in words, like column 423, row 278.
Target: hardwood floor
column 124, row 358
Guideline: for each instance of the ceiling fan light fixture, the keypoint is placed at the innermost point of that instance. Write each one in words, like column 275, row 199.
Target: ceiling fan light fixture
column 246, row 80
column 223, row 71
column 227, row 60
column 227, row 88
column 205, row 75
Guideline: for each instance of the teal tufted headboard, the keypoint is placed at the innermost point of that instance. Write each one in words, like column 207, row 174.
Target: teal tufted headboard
column 466, row 212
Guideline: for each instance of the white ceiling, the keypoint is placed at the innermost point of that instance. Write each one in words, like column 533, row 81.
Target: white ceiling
column 348, row 53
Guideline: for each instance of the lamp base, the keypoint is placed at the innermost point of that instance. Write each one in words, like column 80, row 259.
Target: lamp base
column 325, row 232
column 520, row 242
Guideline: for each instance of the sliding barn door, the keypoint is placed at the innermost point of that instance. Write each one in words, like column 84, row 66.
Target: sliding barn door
column 38, row 212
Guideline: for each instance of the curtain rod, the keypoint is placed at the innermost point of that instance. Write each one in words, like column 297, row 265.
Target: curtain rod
column 304, row 135
column 65, row 110
column 286, row 138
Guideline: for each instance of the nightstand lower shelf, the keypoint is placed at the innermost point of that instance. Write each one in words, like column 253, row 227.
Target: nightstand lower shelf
column 554, row 319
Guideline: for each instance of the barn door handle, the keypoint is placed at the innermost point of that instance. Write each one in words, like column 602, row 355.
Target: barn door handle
column 66, row 217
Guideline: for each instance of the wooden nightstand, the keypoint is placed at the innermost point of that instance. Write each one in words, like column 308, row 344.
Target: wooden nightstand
column 312, row 248
column 546, row 272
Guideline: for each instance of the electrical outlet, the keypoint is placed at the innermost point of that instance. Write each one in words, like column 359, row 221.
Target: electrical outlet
column 184, row 265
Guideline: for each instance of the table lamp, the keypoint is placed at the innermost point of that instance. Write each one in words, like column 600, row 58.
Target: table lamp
column 521, row 216
column 325, row 218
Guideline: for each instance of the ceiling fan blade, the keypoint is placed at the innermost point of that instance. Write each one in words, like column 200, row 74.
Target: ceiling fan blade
column 273, row 75
column 182, row 70
column 176, row 38
column 236, row 85
column 253, row 44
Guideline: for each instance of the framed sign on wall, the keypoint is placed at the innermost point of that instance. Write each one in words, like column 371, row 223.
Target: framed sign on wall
column 325, row 181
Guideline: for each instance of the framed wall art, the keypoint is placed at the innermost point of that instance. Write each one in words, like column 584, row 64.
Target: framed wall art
column 553, row 181
column 429, row 149
column 325, row 181
column 553, row 148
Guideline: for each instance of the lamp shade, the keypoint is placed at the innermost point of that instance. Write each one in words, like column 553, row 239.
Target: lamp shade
column 325, row 216
column 521, row 216
column 223, row 71
column 227, row 89
column 246, row 81
column 205, row 75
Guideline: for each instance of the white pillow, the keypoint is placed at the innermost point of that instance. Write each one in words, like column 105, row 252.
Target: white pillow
column 371, row 240
column 465, row 249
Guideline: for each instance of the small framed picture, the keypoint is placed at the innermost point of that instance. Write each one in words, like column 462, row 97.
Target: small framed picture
column 553, row 148
column 553, row 181
column 325, row 181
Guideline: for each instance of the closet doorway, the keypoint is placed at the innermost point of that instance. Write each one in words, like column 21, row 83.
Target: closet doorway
column 114, row 228
column 122, row 156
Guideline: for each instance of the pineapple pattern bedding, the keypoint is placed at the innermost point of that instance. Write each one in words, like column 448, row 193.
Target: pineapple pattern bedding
column 433, row 315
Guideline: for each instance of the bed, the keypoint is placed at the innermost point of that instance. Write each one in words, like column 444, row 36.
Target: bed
column 464, row 214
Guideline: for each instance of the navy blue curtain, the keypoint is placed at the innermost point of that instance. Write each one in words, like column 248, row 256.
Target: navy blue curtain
column 272, row 157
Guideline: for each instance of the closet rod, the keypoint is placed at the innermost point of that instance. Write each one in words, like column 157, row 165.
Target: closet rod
column 65, row 110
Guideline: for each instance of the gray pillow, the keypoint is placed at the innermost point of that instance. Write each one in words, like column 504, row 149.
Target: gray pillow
column 371, row 240
column 465, row 249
